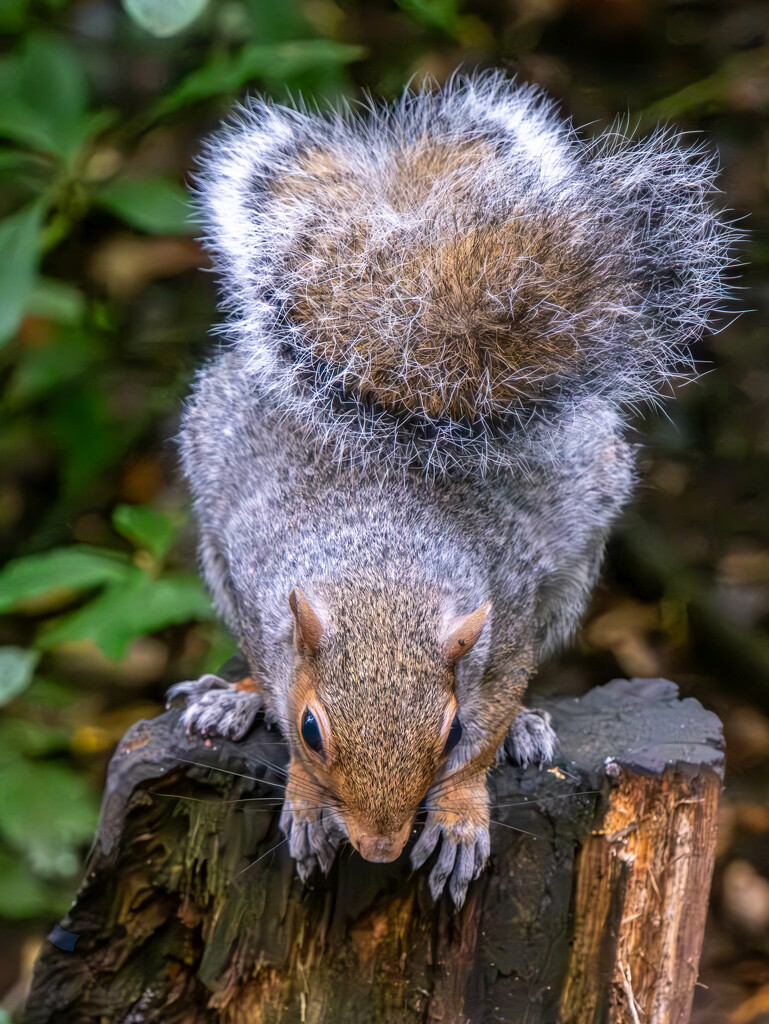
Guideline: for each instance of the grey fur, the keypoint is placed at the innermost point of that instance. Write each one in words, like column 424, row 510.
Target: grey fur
column 391, row 530
column 215, row 707
column 531, row 739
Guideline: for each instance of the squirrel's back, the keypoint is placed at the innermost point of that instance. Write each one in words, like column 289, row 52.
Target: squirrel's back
column 438, row 282
column 273, row 510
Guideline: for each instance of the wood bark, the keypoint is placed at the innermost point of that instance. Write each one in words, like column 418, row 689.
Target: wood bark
column 591, row 910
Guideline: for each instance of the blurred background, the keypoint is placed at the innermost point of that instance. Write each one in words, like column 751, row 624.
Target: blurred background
column 105, row 313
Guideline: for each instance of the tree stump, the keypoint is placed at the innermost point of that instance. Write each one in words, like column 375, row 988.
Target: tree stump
column 592, row 908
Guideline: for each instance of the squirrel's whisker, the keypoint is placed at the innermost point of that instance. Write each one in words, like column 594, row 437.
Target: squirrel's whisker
column 253, row 862
column 266, row 763
column 216, row 768
column 249, row 778
column 492, row 821
column 276, row 801
column 541, row 801
column 514, row 828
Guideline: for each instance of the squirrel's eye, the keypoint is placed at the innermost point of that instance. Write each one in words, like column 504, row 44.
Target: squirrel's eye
column 311, row 732
column 455, row 735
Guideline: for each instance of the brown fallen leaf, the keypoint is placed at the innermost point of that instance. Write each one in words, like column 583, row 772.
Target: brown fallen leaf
column 745, row 897
column 753, row 818
column 747, row 736
column 624, row 630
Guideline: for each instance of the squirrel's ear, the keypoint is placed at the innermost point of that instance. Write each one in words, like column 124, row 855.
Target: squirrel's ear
column 308, row 627
column 465, row 632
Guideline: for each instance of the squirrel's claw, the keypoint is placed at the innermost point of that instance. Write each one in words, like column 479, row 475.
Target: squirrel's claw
column 459, row 861
column 469, row 863
column 217, row 707
column 325, row 835
column 299, row 845
column 314, row 832
column 314, row 838
column 531, row 739
column 424, row 846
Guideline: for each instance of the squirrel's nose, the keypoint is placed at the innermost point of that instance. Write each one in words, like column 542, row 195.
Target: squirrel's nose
column 380, row 848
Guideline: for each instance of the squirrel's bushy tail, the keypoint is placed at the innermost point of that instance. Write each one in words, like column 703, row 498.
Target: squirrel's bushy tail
column 438, row 282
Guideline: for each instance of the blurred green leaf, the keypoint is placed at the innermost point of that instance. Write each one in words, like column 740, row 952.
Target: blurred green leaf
column 435, row 13
column 12, row 15
column 32, row 738
column 17, row 666
column 164, row 18
column 15, row 161
column 53, row 81
column 83, row 424
column 46, row 812
column 76, row 568
column 155, row 205
column 56, row 300
column 221, row 646
column 51, row 694
column 121, row 613
column 21, row 895
column 227, row 74
column 20, row 246
column 276, row 23
column 44, row 97
column 145, row 528
column 70, row 356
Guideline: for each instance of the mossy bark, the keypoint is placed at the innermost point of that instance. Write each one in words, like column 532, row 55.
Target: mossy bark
column 594, row 899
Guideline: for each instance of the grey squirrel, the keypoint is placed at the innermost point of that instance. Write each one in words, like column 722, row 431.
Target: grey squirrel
column 406, row 460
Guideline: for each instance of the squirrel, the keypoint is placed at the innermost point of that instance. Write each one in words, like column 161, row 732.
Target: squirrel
column 406, row 459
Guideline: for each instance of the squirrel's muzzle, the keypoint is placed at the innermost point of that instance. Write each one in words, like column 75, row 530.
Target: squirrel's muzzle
column 379, row 847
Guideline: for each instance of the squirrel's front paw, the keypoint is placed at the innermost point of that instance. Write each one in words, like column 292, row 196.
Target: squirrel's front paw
column 217, row 707
column 461, row 821
column 314, row 830
column 531, row 739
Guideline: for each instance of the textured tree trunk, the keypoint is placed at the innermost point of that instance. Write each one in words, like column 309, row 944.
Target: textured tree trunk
column 592, row 909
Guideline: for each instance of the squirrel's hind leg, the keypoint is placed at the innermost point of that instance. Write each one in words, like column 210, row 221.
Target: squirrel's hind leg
column 531, row 739
column 216, row 707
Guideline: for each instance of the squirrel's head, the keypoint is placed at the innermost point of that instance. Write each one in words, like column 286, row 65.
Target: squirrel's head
column 373, row 714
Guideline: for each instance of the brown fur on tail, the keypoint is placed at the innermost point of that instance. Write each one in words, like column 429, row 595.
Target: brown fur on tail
column 429, row 281
column 443, row 313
